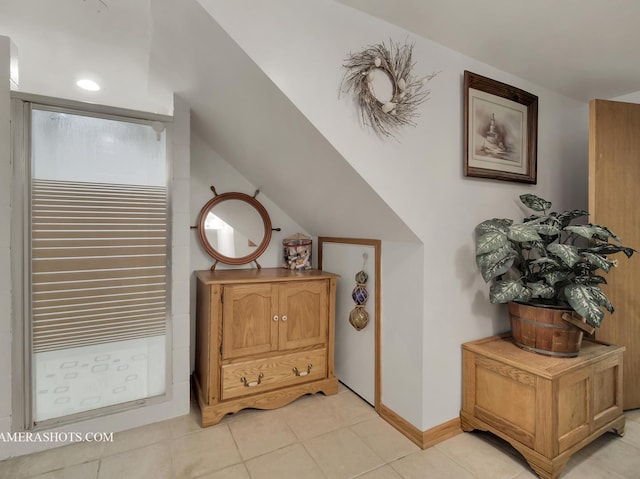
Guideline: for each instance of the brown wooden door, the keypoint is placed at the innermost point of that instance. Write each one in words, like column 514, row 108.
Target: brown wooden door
column 248, row 324
column 304, row 314
column 614, row 201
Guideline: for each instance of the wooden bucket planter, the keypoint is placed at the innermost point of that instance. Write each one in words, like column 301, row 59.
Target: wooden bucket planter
column 547, row 330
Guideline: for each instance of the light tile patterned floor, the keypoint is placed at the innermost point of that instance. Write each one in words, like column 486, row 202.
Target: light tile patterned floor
column 316, row 437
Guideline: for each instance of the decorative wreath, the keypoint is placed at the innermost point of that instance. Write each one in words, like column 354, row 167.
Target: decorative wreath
column 408, row 92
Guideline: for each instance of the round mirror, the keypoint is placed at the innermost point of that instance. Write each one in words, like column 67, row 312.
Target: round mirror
column 234, row 228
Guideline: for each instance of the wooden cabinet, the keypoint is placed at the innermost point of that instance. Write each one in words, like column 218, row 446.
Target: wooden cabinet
column 614, row 177
column 263, row 338
column 545, row 407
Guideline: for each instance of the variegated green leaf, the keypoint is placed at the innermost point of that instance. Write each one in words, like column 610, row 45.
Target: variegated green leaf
column 539, row 290
column 524, row 296
column 536, row 219
column 522, row 232
column 604, row 233
column 586, row 231
column 601, row 298
column 545, row 260
column 592, row 231
column 555, row 277
column 566, row 252
column 539, row 247
column 583, row 302
column 535, row 202
column 548, row 230
column 497, row 269
column 597, row 260
column 608, row 248
column 546, row 265
column 495, row 224
column 505, row 291
column 488, row 259
column 566, row 217
column 490, row 241
column 590, row 279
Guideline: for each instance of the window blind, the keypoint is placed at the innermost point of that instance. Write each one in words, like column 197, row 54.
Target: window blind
column 99, row 263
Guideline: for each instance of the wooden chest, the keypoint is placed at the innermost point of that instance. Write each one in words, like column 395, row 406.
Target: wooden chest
column 263, row 338
column 545, row 407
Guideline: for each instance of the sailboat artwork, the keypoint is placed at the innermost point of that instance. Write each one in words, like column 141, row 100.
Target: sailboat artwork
column 493, row 144
column 496, row 141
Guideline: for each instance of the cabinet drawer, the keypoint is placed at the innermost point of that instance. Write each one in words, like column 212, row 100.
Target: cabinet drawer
column 251, row 377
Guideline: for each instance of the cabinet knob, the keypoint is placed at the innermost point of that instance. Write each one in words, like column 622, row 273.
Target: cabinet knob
column 284, row 318
column 275, row 318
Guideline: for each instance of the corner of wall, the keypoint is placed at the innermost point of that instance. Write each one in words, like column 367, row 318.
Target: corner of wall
column 180, row 270
column 5, row 241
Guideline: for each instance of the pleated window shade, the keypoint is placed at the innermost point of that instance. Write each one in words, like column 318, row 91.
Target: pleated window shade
column 99, row 263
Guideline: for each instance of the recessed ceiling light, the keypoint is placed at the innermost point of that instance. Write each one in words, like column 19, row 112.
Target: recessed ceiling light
column 87, row 84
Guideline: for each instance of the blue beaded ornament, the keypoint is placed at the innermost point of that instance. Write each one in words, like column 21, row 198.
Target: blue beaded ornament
column 359, row 318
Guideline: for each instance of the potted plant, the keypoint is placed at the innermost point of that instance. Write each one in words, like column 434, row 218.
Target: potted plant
column 549, row 271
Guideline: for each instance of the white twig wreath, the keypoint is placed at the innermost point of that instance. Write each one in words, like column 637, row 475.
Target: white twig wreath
column 388, row 114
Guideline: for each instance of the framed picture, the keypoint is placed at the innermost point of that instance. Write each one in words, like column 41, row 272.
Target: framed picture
column 501, row 130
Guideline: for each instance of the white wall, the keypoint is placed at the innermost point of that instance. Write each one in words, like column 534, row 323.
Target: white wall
column 402, row 291
column 420, row 176
column 5, row 240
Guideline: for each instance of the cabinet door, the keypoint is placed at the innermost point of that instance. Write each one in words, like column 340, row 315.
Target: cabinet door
column 304, row 314
column 248, row 324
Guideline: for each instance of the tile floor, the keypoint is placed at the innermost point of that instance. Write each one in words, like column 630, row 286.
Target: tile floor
column 319, row 437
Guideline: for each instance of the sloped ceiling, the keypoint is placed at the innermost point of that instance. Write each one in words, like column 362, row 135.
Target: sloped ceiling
column 239, row 111
column 583, row 49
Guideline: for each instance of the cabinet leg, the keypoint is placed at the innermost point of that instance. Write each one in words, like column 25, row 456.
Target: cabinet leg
column 619, row 430
column 545, row 468
column 465, row 425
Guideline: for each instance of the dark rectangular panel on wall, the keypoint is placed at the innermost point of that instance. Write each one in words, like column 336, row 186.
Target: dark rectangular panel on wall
column 99, row 263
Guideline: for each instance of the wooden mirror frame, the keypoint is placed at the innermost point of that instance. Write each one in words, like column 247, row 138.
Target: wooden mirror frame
column 220, row 258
